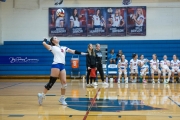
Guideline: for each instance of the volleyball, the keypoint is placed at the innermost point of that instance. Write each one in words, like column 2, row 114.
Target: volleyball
column 60, row 13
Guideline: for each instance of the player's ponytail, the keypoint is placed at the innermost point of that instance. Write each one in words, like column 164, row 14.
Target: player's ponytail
column 51, row 43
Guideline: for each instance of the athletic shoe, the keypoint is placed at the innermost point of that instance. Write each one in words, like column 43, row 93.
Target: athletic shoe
column 88, row 85
column 95, row 84
column 105, row 84
column 91, row 85
column 62, row 101
column 118, row 81
column 126, row 81
column 134, row 81
column 167, row 81
column 153, row 82
column 40, row 98
column 159, row 82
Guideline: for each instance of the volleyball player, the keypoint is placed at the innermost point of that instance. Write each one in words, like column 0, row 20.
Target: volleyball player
column 134, row 62
column 165, row 64
column 122, row 65
column 57, row 68
column 144, row 67
column 175, row 63
column 139, row 17
column 154, row 63
column 116, row 19
column 75, row 19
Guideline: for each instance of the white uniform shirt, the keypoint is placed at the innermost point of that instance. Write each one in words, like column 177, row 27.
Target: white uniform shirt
column 154, row 63
column 59, row 54
column 58, row 21
column 96, row 20
column 134, row 64
column 175, row 64
column 164, row 64
column 144, row 65
column 123, row 64
column 75, row 21
column 141, row 17
column 116, row 20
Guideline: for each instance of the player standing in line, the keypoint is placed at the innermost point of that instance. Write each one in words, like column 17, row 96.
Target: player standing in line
column 139, row 17
column 134, row 62
column 154, row 63
column 57, row 68
column 165, row 64
column 122, row 65
column 116, row 19
column 175, row 63
column 144, row 67
column 75, row 19
column 98, row 20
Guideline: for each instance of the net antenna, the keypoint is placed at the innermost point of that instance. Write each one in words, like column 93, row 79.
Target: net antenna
column 126, row 2
column 58, row 2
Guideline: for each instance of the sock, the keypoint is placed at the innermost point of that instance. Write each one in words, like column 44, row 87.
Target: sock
column 43, row 94
column 62, row 96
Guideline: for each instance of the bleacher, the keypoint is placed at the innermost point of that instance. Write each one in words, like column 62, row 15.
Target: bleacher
column 35, row 49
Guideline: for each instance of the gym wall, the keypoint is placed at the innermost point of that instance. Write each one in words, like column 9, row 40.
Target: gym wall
column 24, row 20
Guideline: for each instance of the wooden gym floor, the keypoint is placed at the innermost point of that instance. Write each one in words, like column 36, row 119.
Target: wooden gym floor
column 18, row 101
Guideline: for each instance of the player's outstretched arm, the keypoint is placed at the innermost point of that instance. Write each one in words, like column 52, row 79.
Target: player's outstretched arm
column 76, row 52
column 45, row 44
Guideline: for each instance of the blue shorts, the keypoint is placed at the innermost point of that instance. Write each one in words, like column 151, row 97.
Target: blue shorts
column 60, row 66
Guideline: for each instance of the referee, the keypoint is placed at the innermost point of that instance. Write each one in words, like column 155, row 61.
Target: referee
column 99, row 63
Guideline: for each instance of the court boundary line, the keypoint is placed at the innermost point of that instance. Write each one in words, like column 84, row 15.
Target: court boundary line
column 11, row 85
column 94, row 99
column 174, row 101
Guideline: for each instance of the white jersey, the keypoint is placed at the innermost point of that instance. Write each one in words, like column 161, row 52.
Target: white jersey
column 164, row 64
column 58, row 21
column 175, row 64
column 134, row 63
column 144, row 65
column 123, row 64
column 96, row 20
column 75, row 21
column 141, row 17
column 154, row 64
column 59, row 54
column 116, row 20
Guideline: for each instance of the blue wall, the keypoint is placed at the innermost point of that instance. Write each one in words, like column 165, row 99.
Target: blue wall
column 36, row 49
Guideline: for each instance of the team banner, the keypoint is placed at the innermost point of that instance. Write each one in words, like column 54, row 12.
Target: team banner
column 116, row 21
column 136, row 21
column 102, row 21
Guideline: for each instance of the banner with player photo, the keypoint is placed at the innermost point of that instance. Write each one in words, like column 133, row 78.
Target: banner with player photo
column 77, row 21
column 58, row 25
column 136, row 21
column 116, row 21
column 96, row 25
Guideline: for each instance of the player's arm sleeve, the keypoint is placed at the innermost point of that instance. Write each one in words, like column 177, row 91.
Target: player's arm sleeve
column 71, row 18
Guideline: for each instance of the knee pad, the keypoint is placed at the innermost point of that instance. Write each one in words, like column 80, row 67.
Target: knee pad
column 169, row 73
column 159, row 72
column 120, row 73
column 63, row 86
column 125, row 72
column 173, row 70
column 51, row 82
column 178, row 70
